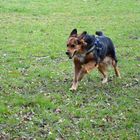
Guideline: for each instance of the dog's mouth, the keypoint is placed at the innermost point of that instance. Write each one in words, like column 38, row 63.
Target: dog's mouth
column 71, row 56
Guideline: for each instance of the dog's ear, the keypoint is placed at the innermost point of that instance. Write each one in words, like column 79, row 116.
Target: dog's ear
column 81, row 42
column 84, row 44
column 82, row 35
column 81, row 39
column 74, row 32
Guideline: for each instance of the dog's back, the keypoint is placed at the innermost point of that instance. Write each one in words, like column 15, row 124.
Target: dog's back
column 108, row 48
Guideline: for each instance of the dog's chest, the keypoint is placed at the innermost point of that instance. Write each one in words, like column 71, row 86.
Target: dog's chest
column 81, row 58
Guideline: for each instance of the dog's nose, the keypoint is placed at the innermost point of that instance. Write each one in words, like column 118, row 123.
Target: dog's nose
column 67, row 53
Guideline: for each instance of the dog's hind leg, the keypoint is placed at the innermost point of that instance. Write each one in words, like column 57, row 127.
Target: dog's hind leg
column 116, row 69
column 103, row 69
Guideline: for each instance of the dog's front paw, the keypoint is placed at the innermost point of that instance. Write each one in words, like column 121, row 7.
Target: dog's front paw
column 119, row 77
column 104, row 81
column 73, row 89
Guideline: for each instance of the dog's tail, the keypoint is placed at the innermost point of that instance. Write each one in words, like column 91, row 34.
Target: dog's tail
column 99, row 33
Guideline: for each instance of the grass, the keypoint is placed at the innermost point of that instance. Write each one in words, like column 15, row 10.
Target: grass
column 35, row 73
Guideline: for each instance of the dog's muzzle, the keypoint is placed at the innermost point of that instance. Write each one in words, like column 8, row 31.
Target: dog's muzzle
column 70, row 55
column 67, row 53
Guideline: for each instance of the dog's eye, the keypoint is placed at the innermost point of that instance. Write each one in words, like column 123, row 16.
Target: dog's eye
column 72, row 46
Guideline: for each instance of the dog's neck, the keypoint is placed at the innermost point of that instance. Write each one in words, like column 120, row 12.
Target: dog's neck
column 80, row 57
column 90, row 40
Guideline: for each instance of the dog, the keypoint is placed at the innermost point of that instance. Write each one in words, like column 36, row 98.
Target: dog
column 89, row 52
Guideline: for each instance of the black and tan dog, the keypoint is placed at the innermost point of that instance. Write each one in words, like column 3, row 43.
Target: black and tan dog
column 89, row 52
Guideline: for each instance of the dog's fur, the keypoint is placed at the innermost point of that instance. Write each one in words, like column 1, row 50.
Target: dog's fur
column 101, row 57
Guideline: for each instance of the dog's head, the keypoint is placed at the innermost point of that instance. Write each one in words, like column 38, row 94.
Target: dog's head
column 75, row 44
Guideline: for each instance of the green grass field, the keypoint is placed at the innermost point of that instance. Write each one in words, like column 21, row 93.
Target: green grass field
column 35, row 73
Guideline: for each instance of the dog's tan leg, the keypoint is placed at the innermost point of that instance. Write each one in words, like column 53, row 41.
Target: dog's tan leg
column 77, row 67
column 86, row 68
column 103, row 69
column 116, row 69
column 80, row 71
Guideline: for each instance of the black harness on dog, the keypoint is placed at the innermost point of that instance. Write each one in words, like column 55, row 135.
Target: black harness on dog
column 97, row 46
column 96, row 49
